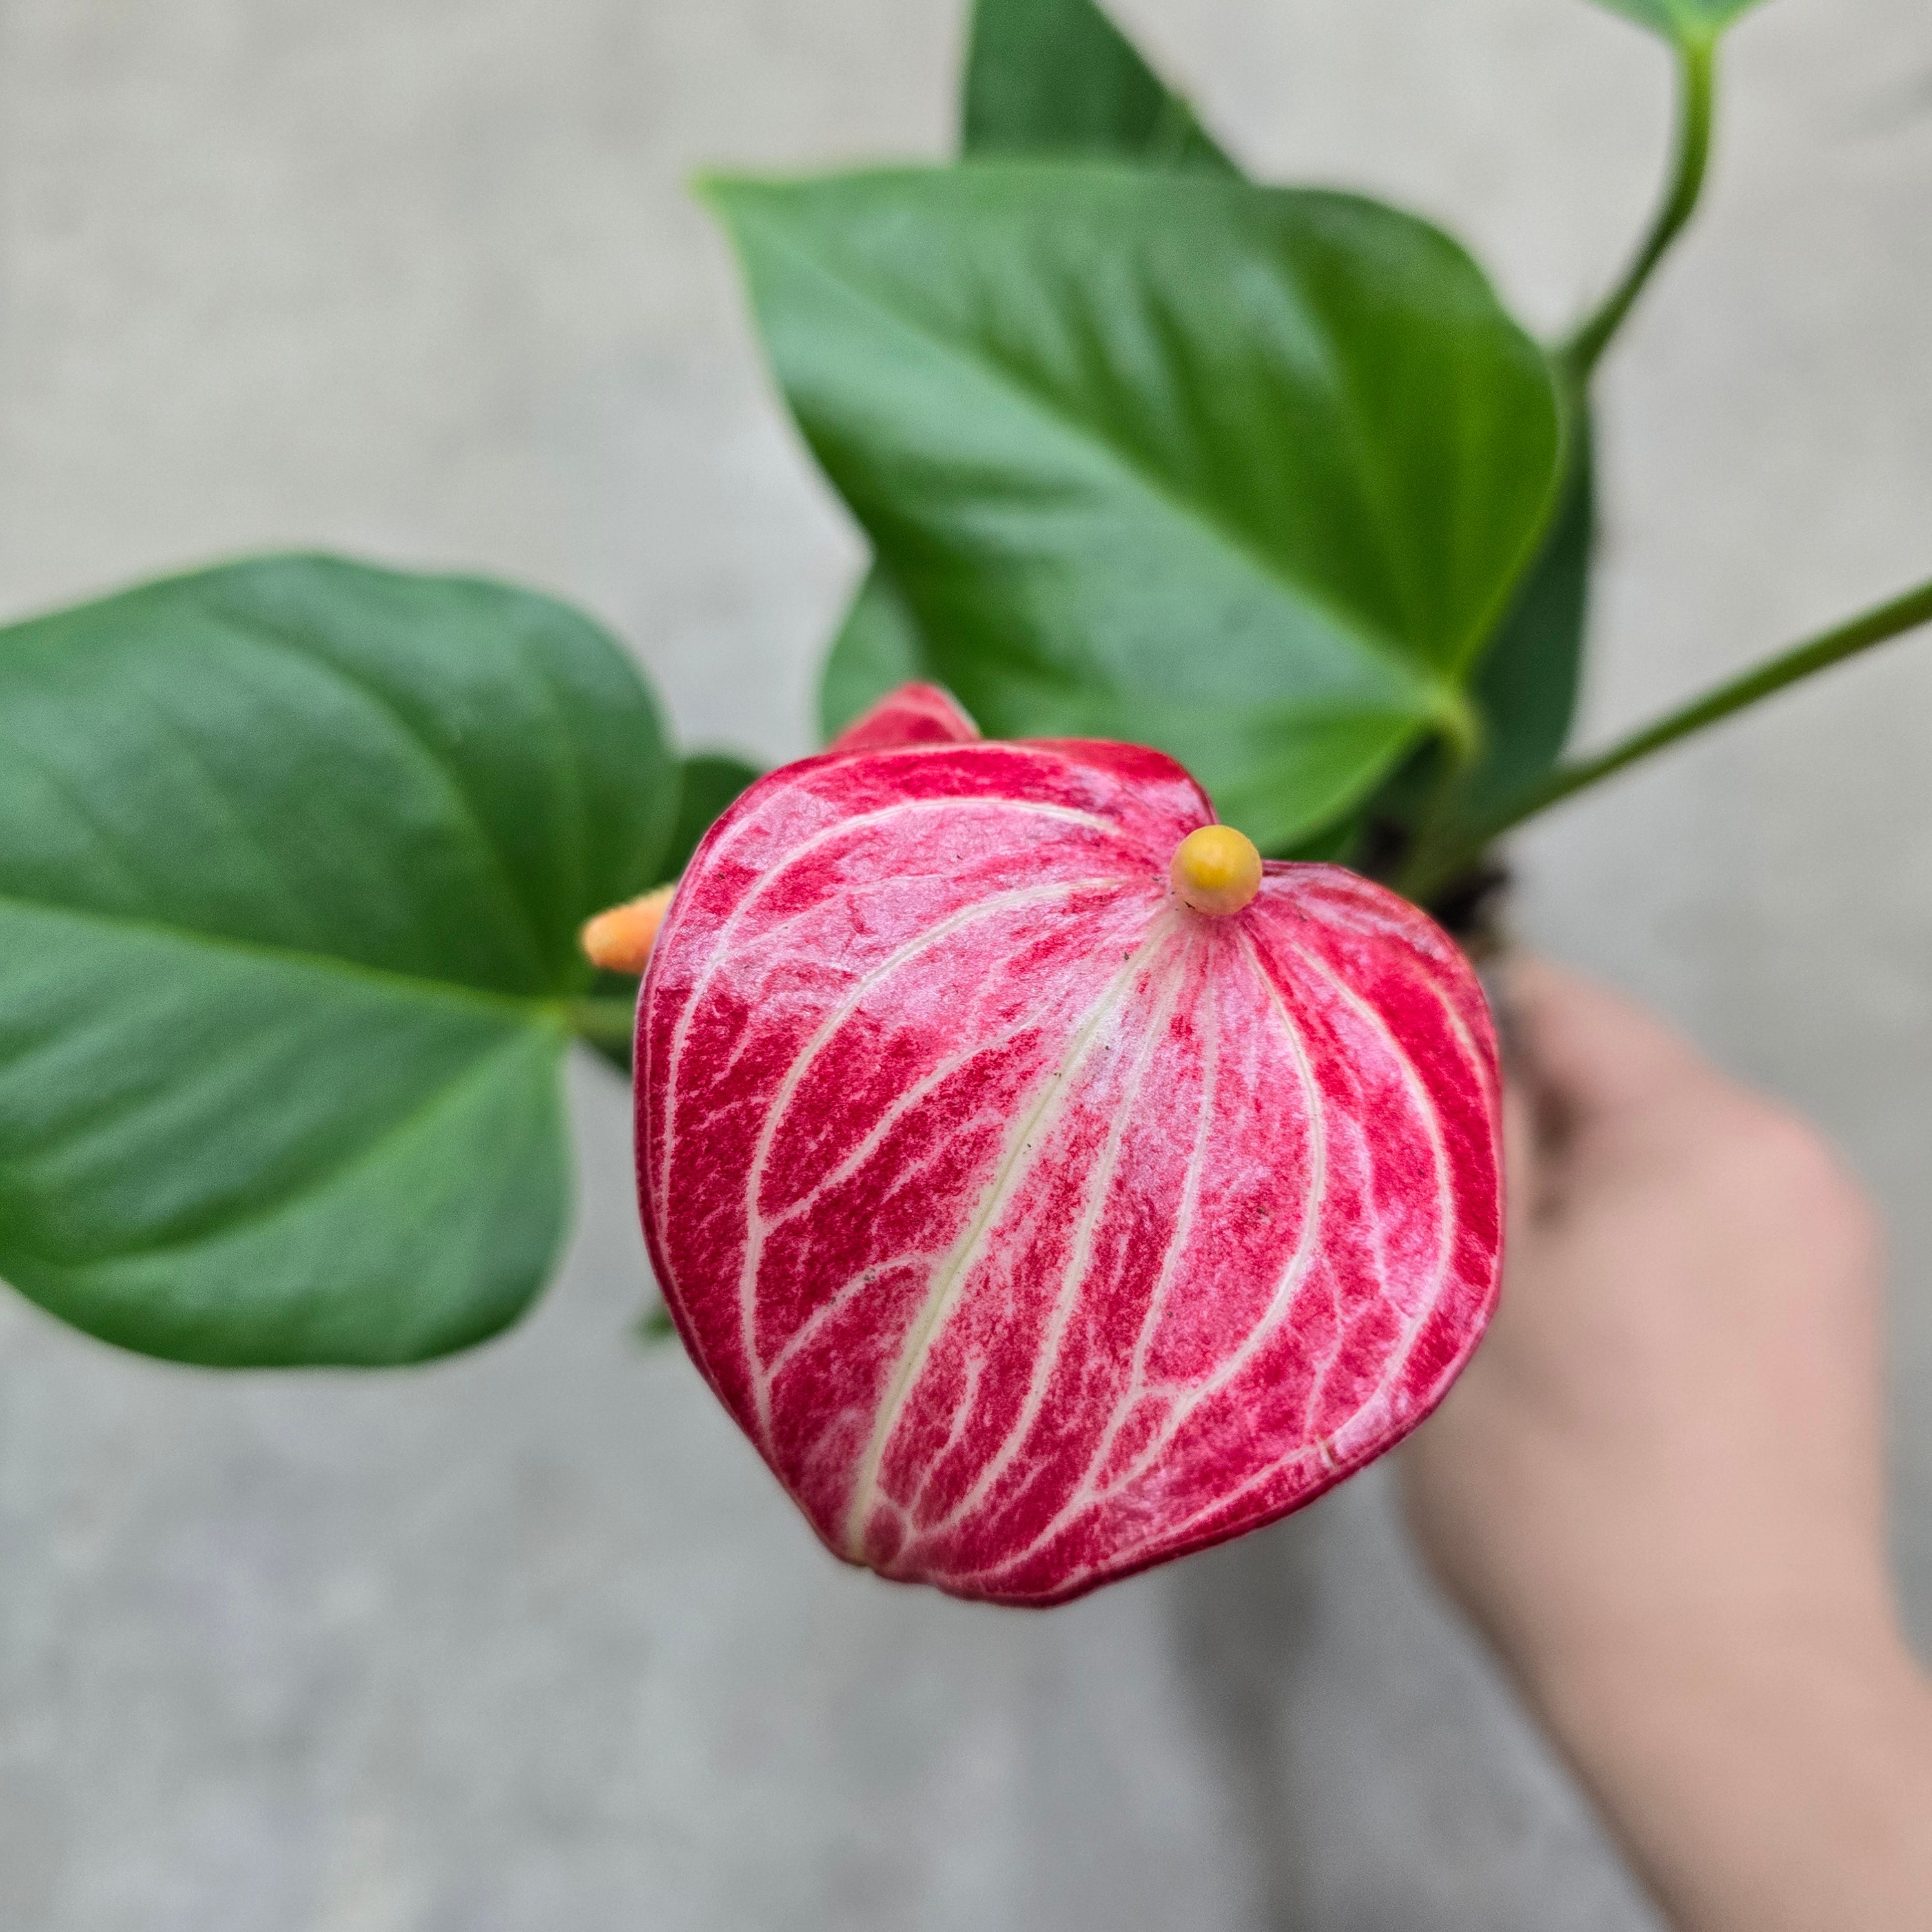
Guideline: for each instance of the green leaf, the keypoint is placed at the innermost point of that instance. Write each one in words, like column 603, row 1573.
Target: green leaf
column 1682, row 21
column 878, row 648
column 1046, row 76
column 707, row 782
column 293, row 855
column 1526, row 687
column 1246, row 473
column 654, row 1327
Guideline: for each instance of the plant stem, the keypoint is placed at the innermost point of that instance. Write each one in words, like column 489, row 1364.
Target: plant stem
column 1696, row 84
column 1875, row 627
column 603, row 1022
column 1460, row 750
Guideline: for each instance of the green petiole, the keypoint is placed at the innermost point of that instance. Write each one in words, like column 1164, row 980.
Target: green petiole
column 1697, row 59
column 1878, row 626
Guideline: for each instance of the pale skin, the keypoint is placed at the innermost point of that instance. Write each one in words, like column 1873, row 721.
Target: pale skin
column 1658, row 1489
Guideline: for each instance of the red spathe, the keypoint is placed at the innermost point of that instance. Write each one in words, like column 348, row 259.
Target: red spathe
column 1036, row 1228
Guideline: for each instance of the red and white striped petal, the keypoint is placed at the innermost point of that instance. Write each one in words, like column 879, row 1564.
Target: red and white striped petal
column 1034, row 1226
column 915, row 714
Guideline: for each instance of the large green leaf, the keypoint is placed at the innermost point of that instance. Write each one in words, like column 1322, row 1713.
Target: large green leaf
column 1057, row 76
column 1245, row 473
column 292, row 855
column 1042, row 77
column 1682, row 20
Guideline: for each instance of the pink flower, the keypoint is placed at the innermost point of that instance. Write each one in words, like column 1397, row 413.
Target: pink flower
column 1036, row 1225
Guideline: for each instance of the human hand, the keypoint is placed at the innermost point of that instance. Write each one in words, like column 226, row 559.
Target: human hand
column 1658, row 1487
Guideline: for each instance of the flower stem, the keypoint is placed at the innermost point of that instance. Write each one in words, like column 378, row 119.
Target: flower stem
column 1874, row 627
column 1697, row 60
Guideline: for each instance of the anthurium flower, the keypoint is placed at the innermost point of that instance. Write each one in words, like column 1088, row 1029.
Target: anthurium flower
column 1047, row 1186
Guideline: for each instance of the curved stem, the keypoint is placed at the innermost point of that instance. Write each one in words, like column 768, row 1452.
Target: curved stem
column 1877, row 626
column 603, row 1022
column 1697, row 60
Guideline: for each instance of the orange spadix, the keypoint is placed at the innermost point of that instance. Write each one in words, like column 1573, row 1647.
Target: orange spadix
column 620, row 940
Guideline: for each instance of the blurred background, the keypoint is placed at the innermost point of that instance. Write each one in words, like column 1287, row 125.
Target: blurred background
column 528, row 1641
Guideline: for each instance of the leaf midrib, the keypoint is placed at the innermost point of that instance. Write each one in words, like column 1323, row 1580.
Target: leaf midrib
column 260, row 628
column 526, row 1009
column 220, row 1222
column 1385, row 652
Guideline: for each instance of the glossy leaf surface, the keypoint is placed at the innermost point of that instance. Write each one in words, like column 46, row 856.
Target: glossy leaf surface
column 294, row 856
column 1035, row 1227
column 1243, row 473
column 1042, row 77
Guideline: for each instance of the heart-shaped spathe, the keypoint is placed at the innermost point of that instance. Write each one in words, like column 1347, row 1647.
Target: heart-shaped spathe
column 1035, row 1227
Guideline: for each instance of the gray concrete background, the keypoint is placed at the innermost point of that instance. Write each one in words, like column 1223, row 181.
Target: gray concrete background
column 527, row 1642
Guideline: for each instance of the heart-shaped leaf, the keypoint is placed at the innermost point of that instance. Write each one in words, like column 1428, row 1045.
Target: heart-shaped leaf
column 1686, row 22
column 1057, row 76
column 1036, row 1227
column 293, row 856
column 1244, row 473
